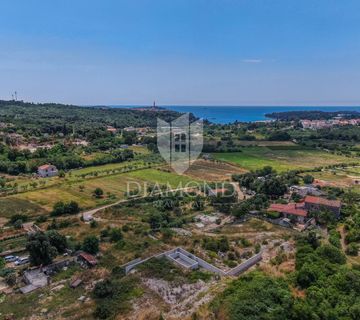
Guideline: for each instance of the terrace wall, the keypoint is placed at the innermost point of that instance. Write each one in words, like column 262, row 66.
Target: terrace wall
column 191, row 258
column 245, row 265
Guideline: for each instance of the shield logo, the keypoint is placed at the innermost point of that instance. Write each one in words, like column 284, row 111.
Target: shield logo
column 180, row 142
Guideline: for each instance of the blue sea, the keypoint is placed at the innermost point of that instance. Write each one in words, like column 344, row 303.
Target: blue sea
column 226, row 114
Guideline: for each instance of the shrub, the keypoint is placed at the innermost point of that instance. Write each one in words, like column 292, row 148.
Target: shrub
column 352, row 249
column 273, row 214
column 91, row 244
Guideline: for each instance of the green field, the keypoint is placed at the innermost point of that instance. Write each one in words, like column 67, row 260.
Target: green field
column 9, row 207
column 281, row 158
column 38, row 201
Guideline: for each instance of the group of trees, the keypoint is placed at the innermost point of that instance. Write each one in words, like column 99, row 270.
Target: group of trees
column 90, row 122
column 332, row 289
column 267, row 181
column 7, row 273
column 216, row 245
column 61, row 208
column 351, row 211
column 64, row 157
column 43, row 247
column 311, row 115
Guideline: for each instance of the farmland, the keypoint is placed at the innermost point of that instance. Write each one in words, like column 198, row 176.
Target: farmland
column 35, row 202
column 281, row 158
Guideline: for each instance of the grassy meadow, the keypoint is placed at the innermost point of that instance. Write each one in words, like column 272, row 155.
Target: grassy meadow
column 280, row 158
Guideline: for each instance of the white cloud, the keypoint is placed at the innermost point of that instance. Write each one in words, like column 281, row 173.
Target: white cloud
column 252, row 60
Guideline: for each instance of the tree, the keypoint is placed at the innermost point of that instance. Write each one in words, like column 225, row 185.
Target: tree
column 2, row 263
column 10, row 279
column 57, row 240
column 308, row 179
column 58, row 209
column 313, row 239
column 255, row 296
column 17, row 217
column 331, row 253
column 104, row 289
column 91, row 244
column 115, row 235
column 93, row 224
column 308, row 274
column 102, row 311
column 323, row 216
column 279, row 136
column 72, row 207
column 98, row 193
column 352, row 249
column 61, row 208
column 40, row 249
column 198, row 203
column 18, row 224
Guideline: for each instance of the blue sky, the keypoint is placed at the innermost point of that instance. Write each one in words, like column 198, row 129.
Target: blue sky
column 191, row 52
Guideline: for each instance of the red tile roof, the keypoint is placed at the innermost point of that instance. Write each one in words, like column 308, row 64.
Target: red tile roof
column 45, row 166
column 291, row 208
column 88, row 258
column 323, row 201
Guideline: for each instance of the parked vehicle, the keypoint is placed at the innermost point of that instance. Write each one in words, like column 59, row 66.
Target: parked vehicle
column 21, row 261
column 11, row 258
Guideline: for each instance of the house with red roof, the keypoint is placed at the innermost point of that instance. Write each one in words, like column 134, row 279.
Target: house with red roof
column 295, row 211
column 300, row 211
column 47, row 170
column 317, row 203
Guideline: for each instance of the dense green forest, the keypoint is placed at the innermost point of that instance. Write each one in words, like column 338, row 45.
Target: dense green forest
column 311, row 115
column 55, row 127
column 51, row 118
column 331, row 289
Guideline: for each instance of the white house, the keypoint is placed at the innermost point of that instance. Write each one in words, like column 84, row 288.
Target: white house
column 47, row 170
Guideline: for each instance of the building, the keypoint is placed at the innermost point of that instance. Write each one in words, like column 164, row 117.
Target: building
column 306, row 190
column 111, row 129
column 295, row 211
column 300, row 211
column 47, row 170
column 34, row 279
column 86, row 260
column 317, row 203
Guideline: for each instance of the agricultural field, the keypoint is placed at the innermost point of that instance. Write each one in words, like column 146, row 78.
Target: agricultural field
column 281, row 158
column 212, row 171
column 264, row 143
column 9, row 207
column 160, row 177
column 37, row 201
column 348, row 177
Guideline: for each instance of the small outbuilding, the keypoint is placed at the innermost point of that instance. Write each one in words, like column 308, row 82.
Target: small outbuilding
column 87, row 260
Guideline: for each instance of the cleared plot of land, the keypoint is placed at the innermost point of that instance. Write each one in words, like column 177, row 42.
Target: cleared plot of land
column 160, row 177
column 212, row 171
column 281, row 158
column 340, row 177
